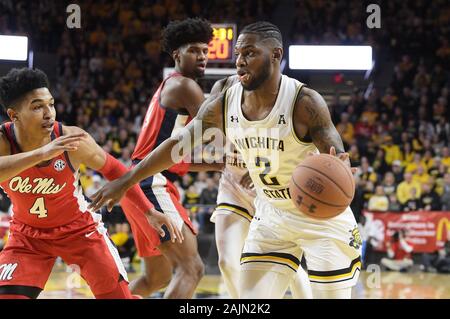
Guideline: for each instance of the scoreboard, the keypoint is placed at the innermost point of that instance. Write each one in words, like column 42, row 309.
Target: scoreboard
column 221, row 47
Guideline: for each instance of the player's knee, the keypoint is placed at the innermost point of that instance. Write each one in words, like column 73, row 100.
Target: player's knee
column 227, row 266
column 164, row 278
column 193, row 267
column 155, row 280
column 198, row 268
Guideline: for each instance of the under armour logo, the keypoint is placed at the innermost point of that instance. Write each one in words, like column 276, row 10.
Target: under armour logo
column 281, row 120
column 234, row 119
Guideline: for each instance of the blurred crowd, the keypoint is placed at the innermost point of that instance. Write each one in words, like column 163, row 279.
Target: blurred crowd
column 397, row 136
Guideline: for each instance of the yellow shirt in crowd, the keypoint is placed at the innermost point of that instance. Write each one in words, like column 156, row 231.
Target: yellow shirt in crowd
column 446, row 161
column 120, row 238
column 421, row 179
column 404, row 191
column 412, row 167
column 392, row 153
column 378, row 203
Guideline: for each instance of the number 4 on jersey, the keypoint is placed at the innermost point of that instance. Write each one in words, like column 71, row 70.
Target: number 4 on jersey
column 39, row 208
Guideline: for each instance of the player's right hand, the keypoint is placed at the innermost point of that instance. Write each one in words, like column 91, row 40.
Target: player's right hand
column 108, row 195
column 65, row 143
column 157, row 220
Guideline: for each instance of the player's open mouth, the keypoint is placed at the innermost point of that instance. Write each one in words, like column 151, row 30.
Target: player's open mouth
column 243, row 76
column 201, row 66
column 47, row 125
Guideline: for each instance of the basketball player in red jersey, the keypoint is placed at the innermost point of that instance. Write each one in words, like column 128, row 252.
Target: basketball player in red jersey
column 39, row 160
column 175, row 102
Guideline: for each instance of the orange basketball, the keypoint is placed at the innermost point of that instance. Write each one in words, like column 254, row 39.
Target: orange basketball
column 322, row 186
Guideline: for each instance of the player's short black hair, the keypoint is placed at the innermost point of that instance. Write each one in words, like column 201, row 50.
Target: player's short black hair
column 265, row 30
column 178, row 33
column 19, row 82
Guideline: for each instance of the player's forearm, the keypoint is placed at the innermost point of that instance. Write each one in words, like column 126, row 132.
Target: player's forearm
column 11, row 165
column 157, row 161
column 206, row 167
column 314, row 113
column 169, row 153
column 113, row 169
column 325, row 138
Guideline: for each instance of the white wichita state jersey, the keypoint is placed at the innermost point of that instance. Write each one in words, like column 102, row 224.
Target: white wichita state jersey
column 235, row 169
column 269, row 147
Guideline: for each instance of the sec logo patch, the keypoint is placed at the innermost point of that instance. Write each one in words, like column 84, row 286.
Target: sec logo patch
column 59, row 165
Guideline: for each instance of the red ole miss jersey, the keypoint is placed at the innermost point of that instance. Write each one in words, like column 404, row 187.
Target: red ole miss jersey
column 160, row 123
column 46, row 195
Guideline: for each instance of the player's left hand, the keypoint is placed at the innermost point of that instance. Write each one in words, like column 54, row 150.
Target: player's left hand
column 157, row 220
column 345, row 157
column 108, row 195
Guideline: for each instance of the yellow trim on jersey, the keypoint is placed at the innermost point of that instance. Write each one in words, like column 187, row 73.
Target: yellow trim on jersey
column 274, row 259
column 235, row 210
column 292, row 116
column 350, row 274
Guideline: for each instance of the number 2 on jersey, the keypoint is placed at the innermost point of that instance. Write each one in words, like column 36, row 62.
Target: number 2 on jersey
column 39, row 208
column 273, row 180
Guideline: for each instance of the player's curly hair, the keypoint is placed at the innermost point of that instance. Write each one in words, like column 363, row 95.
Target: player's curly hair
column 18, row 82
column 178, row 33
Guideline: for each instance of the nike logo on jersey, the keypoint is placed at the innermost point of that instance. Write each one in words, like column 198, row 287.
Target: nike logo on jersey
column 42, row 186
column 90, row 234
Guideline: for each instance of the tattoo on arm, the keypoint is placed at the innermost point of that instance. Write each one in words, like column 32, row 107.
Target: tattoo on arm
column 218, row 86
column 210, row 113
column 209, row 116
column 321, row 128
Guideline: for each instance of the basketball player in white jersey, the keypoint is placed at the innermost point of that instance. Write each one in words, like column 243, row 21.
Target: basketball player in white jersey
column 233, row 214
column 274, row 122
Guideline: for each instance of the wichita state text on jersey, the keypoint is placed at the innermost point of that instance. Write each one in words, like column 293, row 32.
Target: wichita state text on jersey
column 269, row 147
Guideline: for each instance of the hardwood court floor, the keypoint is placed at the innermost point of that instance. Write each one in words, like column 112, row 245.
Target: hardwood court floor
column 384, row 285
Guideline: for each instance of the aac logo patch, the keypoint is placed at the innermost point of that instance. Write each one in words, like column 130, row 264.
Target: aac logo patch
column 59, row 165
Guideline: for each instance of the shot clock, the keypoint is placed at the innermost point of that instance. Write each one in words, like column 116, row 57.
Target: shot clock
column 221, row 47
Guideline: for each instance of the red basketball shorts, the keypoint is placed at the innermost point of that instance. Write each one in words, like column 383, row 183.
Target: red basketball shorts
column 163, row 194
column 29, row 255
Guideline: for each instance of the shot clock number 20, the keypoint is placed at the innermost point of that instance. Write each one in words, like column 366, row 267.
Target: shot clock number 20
column 221, row 47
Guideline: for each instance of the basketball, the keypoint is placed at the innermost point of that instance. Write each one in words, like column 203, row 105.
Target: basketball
column 322, row 186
